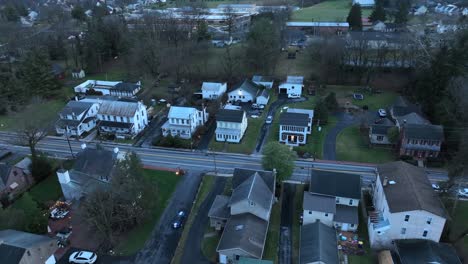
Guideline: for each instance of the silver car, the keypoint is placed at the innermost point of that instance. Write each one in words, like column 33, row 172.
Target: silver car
column 82, row 257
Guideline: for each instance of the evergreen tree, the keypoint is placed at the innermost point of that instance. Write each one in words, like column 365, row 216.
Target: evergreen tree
column 355, row 17
column 202, row 31
column 10, row 13
column 401, row 16
column 321, row 111
column 78, row 13
column 263, row 44
column 378, row 14
column 331, row 102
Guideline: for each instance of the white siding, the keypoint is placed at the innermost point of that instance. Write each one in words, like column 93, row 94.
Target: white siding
column 312, row 216
column 293, row 90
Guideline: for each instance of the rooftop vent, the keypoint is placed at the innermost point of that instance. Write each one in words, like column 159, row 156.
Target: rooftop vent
column 83, row 146
column 391, row 182
column 239, row 227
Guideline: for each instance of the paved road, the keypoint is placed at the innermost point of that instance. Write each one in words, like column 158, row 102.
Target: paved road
column 192, row 251
column 287, row 213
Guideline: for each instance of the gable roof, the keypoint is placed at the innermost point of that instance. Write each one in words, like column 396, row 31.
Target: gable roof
column 335, row 184
column 264, row 93
column 22, row 239
column 254, row 189
column 75, row 107
column 380, row 129
column 241, row 175
column 319, row 203
column 98, row 163
column 229, row 115
column 245, row 232
column 412, row 118
column 295, row 79
column 346, row 214
column 309, row 112
column 429, row 132
column 10, row 254
column 294, row 119
column 425, row 251
column 411, row 191
column 318, row 244
column 219, row 208
column 125, row 86
column 181, row 112
column 260, row 78
column 4, row 174
column 211, row 86
column 249, row 87
column 118, row 108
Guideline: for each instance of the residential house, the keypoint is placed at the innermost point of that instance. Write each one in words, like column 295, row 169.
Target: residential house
column 263, row 97
column 230, row 125
column 76, row 118
column 406, row 206
column 78, row 74
column 292, row 87
column 244, row 217
column 333, row 199
column 318, row 244
column 364, row 3
column 26, row 248
column 377, row 40
column 213, row 91
column 15, row 178
column 378, row 131
column 184, row 121
column 294, row 128
column 308, row 112
column 93, row 169
column 58, row 71
column 118, row 88
column 246, row 92
column 320, row 28
column 265, row 81
column 381, row 26
column 421, row 10
column 123, row 118
column 421, row 141
column 425, row 251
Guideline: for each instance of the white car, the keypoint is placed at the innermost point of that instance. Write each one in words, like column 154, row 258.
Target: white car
column 269, row 119
column 463, row 192
column 436, row 187
column 82, row 257
column 382, row 113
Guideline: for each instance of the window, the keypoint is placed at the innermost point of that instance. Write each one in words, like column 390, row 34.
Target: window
column 114, row 118
column 326, row 214
column 403, row 231
column 351, row 202
column 425, row 233
column 310, row 212
column 352, row 225
column 407, row 218
column 379, row 138
column 429, row 220
column 337, row 200
column 15, row 173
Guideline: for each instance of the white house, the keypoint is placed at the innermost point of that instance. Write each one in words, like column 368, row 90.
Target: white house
column 265, row 81
column 308, row 112
column 364, row 3
column 422, row 10
column 263, row 97
column 109, row 88
column 294, row 128
column 213, row 91
column 77, row 118
column 245, row 92
column 406, row 206
column 230, row 125
column 333, row 199
column 184, row 121
column 124, row 119
column 78, row 74
column 292, row 87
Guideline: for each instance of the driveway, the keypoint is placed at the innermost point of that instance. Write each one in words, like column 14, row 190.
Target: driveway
column 192, row 251
column 161, row 246
column 287, row 212
column 153, row 130
column 206, row 138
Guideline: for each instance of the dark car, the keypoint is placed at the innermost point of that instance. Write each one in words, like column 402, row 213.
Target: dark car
column 179, row 220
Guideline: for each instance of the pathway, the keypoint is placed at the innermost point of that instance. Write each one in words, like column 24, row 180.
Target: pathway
column 287, row 212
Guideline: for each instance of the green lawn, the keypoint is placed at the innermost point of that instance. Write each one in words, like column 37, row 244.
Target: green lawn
column 210, row 244
column 316, row 139
column 164, row 183
column 296, row 226
column 47, row 190
column 272, row 240
column 363, row 235
column 351, row 146
column 204, row 189
column 327, row 11
column 373, row 101
column 459, row 224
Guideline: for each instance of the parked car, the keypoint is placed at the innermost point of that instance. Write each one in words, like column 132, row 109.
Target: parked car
column 269, row 119
column 436, row 187
column 254, row 116
column 463, row 192
column 82, row 257
column 179, row 220
column 382, row 113
column 58, row 213
column 358, row 96
column 255, row 106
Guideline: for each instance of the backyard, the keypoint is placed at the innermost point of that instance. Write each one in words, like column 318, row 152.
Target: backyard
column 351, row 145
column 296, row 225
column 272, row 239
column 363, row 235
column 459, row 225
column 327, row 11
column 165, row 183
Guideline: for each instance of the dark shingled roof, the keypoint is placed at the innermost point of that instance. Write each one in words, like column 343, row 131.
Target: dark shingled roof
column 11, row 254
column 411, row 191
column 250, row 87
column 425, row 251
column 260, row 78
column 76, row 107
column 318, row 244
column 429, row 132
column 123, row 86
column 4, row 174
column 246, row 232
column 346, row 214
column 294, row 119
column 228, row 115
column 319, row 203
column 335, row 184
column 380, row 129
column 219, row 208
column 95, row 162
column 115, row 124
column 241, row 175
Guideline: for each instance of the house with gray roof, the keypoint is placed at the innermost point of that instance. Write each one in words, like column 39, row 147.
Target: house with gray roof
column 183, row 121
column 77, row 118
column 213, row 91
column 122, row 118
column 406, row 206
column 15, row 176
column 333, row 199
column 292, row 87
column 425, row 251
column 263, row 97
column 265, row 81
column 244, row 216
column 318, row 244
column 118, row 88
column 246, row 92
column 230, row 125
column 93, row 169
column 26, row 248
column 294, row 128
column 378, row 131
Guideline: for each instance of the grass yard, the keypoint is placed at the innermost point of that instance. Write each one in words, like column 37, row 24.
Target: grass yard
column 299, row 66
column 459, row 224
column 47, row 190
column 363, row 234
column 316, row 140
column 204, row 189
column 296, row 225
column 272, row 240
column 210, row 244
column 327, row 11
column 351, row 146
column 248, row 142
column 373, row 101
column 165, row 183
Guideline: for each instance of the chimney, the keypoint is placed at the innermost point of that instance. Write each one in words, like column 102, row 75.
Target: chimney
column 83, row 146
column 76, row 98
column 63, row 176
column 385, row 181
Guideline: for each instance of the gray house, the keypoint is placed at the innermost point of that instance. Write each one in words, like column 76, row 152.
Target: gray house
column 424, row 251
column 318, row 244
column 378, row 131
column 245, row 215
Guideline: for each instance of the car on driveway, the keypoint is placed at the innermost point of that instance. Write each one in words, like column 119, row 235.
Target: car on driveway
column 382, row 113
column 82, row 257
column 179, row 220
column 358, row 96
column 269, row 119
column 463, row 192
column 436, row 187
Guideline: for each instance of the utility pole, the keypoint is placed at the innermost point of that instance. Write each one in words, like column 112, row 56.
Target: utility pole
column 68, row 140
column 214, row 161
